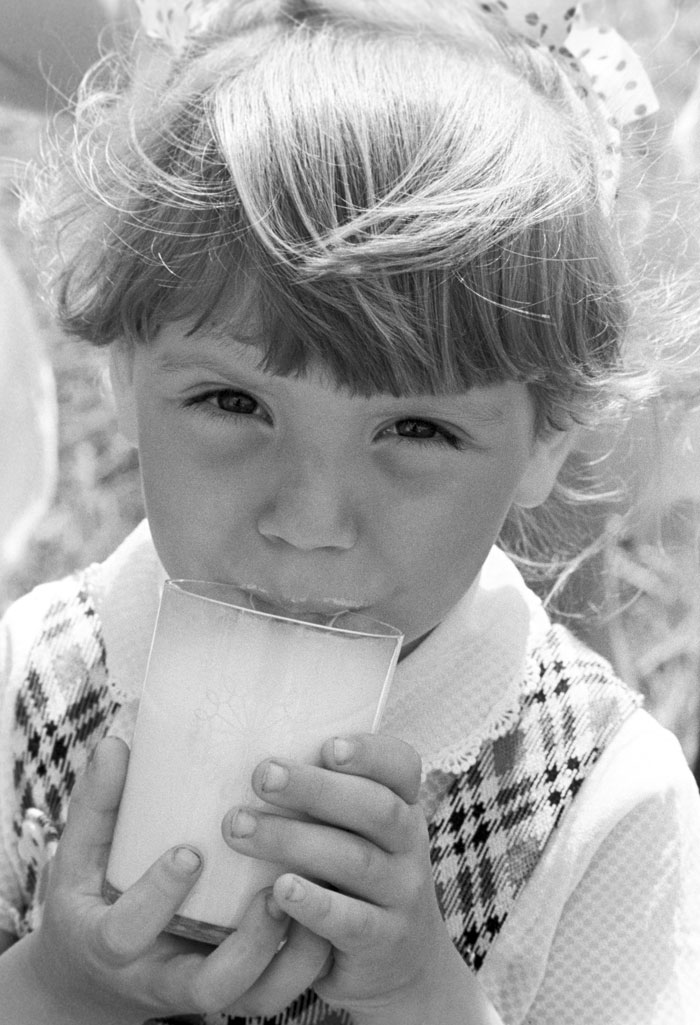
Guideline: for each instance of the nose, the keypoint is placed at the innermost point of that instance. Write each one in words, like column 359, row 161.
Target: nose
column 310, row 508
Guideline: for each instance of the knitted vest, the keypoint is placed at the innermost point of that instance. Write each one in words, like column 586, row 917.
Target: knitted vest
column 486, row 836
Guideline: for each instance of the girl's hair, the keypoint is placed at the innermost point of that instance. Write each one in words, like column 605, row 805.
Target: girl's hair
column 412, row 192
column 407, row 193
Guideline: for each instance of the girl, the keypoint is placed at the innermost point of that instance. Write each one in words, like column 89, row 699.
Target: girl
column 357, row 267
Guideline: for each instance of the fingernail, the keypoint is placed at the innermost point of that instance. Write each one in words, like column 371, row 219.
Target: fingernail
column 276, row 777
column 327, row 966
column 243, row 824
column 187, row 859
column 343, row 750
column 294, row 889
column 273, row 909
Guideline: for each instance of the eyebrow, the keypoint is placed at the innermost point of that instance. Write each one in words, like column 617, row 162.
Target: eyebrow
column 173, row 362
column 208, row 358
column 484, row 410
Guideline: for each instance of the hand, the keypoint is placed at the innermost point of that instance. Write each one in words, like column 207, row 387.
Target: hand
column 113, row 964
column 366, row 837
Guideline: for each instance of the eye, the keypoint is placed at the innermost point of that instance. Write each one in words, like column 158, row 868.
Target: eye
column 229, row 401
column 421, row 429
column 227, row 404
column 425, row 431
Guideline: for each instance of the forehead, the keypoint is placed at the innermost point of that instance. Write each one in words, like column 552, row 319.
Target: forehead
column 404, row 338
column 219, row 355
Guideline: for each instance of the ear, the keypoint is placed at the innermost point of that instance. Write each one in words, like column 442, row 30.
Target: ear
column 546, row 460
column 121, row 375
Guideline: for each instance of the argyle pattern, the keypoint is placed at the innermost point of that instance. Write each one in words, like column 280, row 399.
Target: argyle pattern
column 486, row 836
column 63, row 710
column 491, row 828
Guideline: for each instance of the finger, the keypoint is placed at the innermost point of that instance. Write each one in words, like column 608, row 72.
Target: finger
column 386, row 760
column 132, row 924
column 361, row 806
column 347, row 923
column 300, row 962
column 82, row 853
column 210, row 984
column 318, row 851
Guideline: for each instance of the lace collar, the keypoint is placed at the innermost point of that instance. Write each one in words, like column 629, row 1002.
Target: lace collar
column 458, row 687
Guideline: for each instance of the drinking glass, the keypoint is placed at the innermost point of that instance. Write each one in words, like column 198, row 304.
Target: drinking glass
column 231, row 681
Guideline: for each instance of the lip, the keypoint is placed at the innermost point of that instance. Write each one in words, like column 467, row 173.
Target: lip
column 298, row 606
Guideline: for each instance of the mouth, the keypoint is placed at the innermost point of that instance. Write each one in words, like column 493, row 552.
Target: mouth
column 287, row 605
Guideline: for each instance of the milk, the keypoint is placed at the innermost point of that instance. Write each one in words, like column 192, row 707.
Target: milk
column 225, row 688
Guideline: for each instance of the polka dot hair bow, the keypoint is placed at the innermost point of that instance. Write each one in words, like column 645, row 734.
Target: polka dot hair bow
column 603, row 64
column 614, row 70
column 173, row 22
column 612, row 66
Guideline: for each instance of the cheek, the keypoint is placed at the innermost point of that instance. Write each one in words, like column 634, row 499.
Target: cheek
column 446, row 536
column 462, row 511
column 440, row 545
column 180, row 494
column 202, row 503
column 176, row 469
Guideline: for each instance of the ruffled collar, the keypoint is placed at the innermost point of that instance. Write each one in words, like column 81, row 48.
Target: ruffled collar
column 460, row 686
column 126, row 591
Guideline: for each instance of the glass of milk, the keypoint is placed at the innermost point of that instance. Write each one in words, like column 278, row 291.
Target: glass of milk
column 230, row 681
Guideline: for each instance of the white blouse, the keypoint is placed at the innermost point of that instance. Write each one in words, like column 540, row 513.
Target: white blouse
column 607, row 930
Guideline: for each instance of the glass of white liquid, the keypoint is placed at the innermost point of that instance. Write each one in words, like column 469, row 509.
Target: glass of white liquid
column 230, row 682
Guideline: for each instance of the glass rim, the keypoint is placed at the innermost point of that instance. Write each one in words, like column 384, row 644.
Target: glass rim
column 320, row 621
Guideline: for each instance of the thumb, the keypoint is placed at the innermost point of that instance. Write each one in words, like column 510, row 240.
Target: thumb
column 82, row 853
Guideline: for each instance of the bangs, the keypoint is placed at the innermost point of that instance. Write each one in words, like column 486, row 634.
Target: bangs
column 412, row 332
column 429, row 221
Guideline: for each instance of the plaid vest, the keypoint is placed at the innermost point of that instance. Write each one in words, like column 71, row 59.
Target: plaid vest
column 486, row 836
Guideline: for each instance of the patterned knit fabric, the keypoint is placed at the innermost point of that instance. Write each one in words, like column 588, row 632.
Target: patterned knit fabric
column 488, row 832
column 63, row 711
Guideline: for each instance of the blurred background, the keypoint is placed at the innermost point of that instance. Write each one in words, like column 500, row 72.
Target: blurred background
column 75, row 493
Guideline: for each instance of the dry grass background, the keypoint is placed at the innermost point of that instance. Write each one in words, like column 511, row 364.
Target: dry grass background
column 98, row 498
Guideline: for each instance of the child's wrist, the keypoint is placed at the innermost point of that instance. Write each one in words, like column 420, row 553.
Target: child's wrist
column 450, row 994
column 62, row 1006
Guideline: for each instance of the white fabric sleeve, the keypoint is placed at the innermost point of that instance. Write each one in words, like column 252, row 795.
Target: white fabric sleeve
column 627, row 951
column 9, row 887
column 607, row 931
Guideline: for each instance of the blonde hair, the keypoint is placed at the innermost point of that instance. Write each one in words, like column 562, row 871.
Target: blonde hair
column 406, row 194
column 412, row 193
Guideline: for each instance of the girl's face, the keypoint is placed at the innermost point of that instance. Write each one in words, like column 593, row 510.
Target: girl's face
column 316, row 499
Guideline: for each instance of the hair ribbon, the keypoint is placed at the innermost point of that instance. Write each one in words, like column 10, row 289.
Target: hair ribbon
column 602, row 63
column 173, row 22
column 610, row 64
